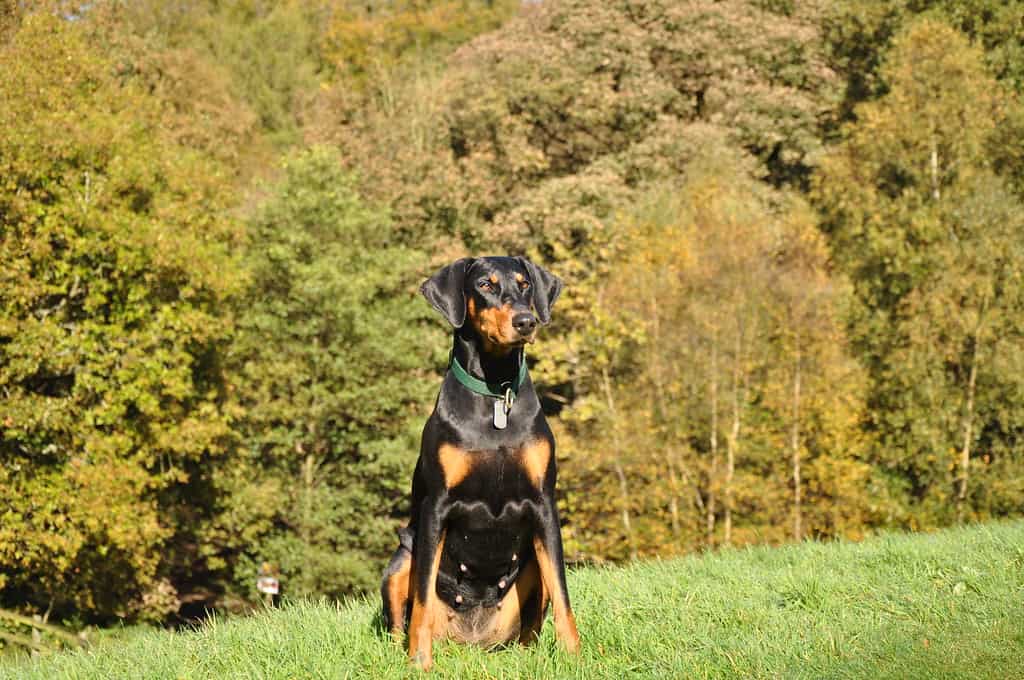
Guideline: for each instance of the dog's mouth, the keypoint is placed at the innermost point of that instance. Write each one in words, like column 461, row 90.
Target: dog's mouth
column 504, row 345
column 517, row 340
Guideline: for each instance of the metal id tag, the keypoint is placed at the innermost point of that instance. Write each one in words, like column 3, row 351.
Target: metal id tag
column 500, row 414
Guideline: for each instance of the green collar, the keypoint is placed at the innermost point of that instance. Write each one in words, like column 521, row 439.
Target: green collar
column 496, row 390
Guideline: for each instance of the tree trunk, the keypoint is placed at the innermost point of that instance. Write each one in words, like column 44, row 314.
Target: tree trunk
column 794, row 442
column 686, row 481
column 662, row 418
column 308, row 481
column 733, row 439
column 673, row 501
column 627, row 524
column 730, row 469
column 965, row 451
column 713, row 466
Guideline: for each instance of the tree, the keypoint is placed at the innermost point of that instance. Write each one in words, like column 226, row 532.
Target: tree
column 329, row 367
column 721, row 308
column 816, row 387
column 916, row 211
column 367, row 41
column 261, row 59
column 117, row 274
column 202, row 107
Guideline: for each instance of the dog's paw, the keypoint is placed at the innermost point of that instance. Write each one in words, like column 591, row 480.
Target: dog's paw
column 421, row 660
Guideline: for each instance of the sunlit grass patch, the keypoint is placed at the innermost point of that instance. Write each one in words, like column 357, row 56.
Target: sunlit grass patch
column 943, row 605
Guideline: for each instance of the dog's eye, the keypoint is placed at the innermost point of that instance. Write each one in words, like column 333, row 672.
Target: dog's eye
column 486, row 285
column 523, row 285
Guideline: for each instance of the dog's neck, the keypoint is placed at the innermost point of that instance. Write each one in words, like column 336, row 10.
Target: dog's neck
column 467, row 348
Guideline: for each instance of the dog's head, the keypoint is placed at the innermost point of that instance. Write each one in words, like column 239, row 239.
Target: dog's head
column 501, row 298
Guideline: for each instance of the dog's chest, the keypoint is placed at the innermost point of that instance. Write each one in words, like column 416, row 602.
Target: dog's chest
column 490, row 526
column 497, row 476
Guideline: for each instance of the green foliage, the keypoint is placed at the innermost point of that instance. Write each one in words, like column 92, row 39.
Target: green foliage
column 330, row 366
column 572, row 111
column 931, row 237
column 593, row 99
column 10, row 16
column 117, row 268
column 210, row 358
column 271, row 53
column 858, row 33
column 690, row 429
column 200, row 109
column 367, row 40
column 263, row 54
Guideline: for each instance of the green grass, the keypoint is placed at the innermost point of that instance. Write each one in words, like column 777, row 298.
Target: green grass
column 943, row 605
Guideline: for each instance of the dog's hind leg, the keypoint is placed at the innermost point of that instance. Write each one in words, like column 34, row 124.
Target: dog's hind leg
column 425, row 604
column 394, row 588
column 533, row 603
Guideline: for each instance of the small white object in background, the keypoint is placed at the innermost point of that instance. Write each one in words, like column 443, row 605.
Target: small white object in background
column 268, row 585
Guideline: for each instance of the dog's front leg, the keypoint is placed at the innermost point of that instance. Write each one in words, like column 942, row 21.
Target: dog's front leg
column 547, row 544
column 427, row 550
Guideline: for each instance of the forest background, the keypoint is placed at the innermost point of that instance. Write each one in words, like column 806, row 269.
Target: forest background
column 791, row 232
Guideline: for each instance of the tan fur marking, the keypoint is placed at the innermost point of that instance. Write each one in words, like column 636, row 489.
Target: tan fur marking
column 440, row 620
column 456, row 464
column 398, row 596
column 494, row 325
column 519, row 277
column 565, row 621
column 508, row 620
column 535, row 458
column 425, row 610
column 505, row 623
column 493, row 278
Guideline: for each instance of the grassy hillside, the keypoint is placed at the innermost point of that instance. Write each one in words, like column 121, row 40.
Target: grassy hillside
column 944, row 605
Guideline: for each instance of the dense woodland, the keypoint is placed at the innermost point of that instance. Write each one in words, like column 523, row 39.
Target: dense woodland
column 791, row 232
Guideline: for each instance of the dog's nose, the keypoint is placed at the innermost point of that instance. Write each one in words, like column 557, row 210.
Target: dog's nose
column 524, row 323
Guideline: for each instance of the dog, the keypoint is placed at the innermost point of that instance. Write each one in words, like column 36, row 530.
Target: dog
column 481, row 558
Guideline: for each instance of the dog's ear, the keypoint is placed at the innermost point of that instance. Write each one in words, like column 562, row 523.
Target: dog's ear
column 546, row 289
column 445, row 290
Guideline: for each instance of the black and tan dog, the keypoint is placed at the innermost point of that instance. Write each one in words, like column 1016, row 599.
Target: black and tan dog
column 481, row 557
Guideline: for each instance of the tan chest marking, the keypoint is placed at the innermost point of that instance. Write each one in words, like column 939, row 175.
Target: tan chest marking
column 534, row 459
column 456, row 464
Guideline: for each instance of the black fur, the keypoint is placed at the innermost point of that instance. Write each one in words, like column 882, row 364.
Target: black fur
column 491, row 517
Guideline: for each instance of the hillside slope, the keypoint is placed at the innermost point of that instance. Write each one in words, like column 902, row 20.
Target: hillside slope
column 943, row 605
